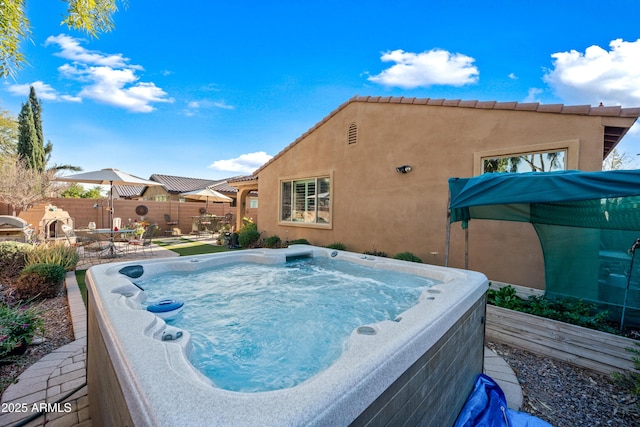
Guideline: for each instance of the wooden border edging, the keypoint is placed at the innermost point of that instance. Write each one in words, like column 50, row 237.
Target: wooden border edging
column 598, row 351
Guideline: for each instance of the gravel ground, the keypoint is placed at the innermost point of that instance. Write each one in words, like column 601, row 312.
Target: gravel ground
column 564, row 395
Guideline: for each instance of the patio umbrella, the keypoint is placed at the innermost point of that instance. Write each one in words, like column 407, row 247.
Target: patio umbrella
column 206, row 194
column 109, row 177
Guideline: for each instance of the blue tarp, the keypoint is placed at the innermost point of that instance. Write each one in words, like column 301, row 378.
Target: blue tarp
column 487, row 407
column 568, row 198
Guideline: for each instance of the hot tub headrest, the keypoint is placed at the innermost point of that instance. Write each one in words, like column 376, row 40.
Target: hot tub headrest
column 132, row 271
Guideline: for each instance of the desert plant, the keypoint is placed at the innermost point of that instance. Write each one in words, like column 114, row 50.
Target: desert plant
column 18, row 326
column 407, row 256
column 337, row 246
column 13, row 258
column 65, row 256
column 40, row 280
column 272, row 242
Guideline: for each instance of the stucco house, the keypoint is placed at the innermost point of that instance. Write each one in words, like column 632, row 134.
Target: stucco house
column 373, row 175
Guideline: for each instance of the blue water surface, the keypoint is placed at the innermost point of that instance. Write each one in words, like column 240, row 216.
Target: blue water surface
column 267, row 327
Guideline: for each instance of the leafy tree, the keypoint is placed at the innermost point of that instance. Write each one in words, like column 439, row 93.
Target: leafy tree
column 8, row 133
column 21, row 185
column 29, row 148
column 34, row 103
column 617, row 161
column 77, row 191
column 90, row 16
column 31, row 145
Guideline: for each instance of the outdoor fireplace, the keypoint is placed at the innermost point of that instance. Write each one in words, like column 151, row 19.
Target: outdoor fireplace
column 12, row 228
column 50, row 226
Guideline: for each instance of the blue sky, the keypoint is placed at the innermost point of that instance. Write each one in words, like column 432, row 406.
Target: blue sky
column 211, row 89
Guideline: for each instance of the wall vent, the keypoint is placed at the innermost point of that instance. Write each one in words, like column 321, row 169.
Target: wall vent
column 352, row 134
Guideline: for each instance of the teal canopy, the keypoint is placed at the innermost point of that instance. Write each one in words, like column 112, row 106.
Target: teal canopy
column 586, row 222
column 605, row 200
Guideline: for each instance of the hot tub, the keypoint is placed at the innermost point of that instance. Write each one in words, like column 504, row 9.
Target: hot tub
column 418, row 368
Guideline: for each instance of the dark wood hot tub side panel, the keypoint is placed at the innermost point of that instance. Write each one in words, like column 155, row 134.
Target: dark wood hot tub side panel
column 435, row 388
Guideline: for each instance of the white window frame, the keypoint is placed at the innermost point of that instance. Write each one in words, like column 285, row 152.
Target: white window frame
column 319, row 216
column 571, row 148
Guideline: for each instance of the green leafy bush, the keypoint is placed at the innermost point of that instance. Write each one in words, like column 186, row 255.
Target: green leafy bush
column 248, row 236
column 13, row 258
column 407, row 256
column 505, row 297
column 568, row 310
column 18, row 326
column 65, row 256
column 40, row 280
column 337, row 246
column 272, row 242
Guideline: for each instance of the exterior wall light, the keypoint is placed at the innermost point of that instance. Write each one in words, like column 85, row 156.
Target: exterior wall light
column 403, row 169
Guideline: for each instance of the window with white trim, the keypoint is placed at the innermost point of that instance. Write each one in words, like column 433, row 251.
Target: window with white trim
column 305, row 200
column 545, row 157
column 544, row 161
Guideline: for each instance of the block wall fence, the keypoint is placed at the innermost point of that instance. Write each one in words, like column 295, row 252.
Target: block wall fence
column 84, row 211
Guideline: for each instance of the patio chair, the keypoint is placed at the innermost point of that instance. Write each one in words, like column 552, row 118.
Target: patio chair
column 143, row 244
column 70, row 235
column 168, row 222
column 91, row 245
column 170, row 225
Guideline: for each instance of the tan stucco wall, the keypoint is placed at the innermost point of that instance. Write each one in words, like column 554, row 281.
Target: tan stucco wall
column 375, row 207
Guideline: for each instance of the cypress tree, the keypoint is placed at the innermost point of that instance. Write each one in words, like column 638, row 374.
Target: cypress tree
column 30, row 138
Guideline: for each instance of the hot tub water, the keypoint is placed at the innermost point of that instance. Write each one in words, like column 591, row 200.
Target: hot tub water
column 259, row 327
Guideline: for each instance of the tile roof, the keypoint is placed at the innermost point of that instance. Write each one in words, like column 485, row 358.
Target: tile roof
column 586, row 110
column 242, row 178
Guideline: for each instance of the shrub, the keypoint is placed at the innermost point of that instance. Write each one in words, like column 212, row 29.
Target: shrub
column 248, row 236
column 568, row 310
column 338, row 246
column 300, row 242
column 40, row 280
column 272, row 242
column 407, row 256
column 18, row 326
column 13, row 258
column 65, row 256
column 376, row 253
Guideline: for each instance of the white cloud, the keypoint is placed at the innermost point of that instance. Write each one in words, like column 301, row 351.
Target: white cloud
column 435, row 67
column 107, row 78
column 512, row 76
column 43, row 91
column 72, row 50
column 243, row 164
column 532, row 96
column 598, row 75
column 194, row 107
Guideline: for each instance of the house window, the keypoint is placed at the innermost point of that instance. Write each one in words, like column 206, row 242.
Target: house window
column 305, row 201
column 253, row 203
column 544, row 161
column 160, row 198
column 546, row 157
